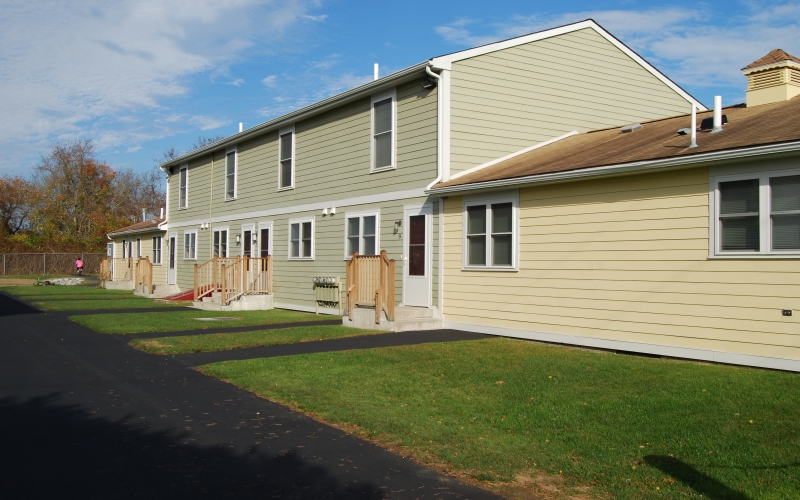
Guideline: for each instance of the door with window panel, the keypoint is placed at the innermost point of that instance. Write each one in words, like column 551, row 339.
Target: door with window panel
column 417, row 255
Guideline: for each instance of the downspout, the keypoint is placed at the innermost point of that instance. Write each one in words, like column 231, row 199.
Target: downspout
column 441, row 120
column 211, row 213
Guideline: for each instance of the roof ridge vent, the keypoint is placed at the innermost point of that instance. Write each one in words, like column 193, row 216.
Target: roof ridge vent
column 633, row 127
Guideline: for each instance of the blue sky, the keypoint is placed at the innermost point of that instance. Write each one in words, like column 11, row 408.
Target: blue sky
column 139, row 77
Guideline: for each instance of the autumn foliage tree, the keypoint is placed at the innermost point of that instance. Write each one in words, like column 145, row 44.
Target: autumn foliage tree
column 73, row 200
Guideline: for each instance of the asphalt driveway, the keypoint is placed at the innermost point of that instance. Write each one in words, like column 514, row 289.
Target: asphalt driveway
column 84, row 415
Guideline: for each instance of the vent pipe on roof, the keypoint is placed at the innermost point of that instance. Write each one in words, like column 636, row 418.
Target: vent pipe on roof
column 144, row 216
column 694, row 127
column 376, row 71
column 162, row 213
column 717, row 114
column 240, row 127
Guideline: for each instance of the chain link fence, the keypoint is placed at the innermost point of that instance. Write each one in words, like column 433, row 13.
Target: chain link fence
column 49, row 263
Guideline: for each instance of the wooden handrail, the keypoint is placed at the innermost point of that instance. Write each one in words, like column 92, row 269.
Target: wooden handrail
column 370, row 281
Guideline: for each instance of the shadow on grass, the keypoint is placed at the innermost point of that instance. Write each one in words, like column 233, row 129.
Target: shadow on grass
column 700, row 482
column 61, row 451
column 10, row 306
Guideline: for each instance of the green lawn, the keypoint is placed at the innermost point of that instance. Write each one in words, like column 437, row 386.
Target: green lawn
column 225, row 341
column 539, row 416
column 100, row 303
column 185, row 320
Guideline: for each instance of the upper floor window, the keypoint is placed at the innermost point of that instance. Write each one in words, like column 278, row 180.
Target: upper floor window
column 490, row 233
column 384, row 131
column 230, row 175
column 362, row 234
column 301, row 239
column 757, row 214
column 156, row 249
column 190, row 246
column 221, row 242
column 183, row 187
column 286, row 159
column 138, row 247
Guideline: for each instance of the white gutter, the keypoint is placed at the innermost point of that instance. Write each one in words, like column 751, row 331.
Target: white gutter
column 624, row 168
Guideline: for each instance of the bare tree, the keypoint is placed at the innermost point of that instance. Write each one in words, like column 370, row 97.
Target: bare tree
column 16, row 203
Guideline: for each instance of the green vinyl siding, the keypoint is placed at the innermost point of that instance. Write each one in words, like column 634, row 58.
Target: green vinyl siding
column 513, row 98
column 332, row 161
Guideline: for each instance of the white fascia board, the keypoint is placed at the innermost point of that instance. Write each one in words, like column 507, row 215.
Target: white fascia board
column 372, row 87
column 624, row 168
column 512, row 155
column 446, row 61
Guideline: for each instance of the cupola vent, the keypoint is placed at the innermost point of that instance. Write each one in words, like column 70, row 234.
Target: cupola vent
column 773, row 78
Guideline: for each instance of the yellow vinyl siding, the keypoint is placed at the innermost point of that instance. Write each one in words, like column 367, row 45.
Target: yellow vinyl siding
column 627, row 259
column 513, row 98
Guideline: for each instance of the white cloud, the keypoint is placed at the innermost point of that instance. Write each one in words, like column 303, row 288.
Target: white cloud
column 270, row 80
column 319, row 80
column 67, row 66
column 207, row 122
column 238, row 82
column 133, row 149
column 693, row 46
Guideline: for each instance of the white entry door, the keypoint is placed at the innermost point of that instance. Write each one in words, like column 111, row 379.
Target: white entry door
column 417, row 255
column 171, row 259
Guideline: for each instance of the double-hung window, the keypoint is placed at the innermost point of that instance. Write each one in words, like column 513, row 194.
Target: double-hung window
column 183, row 187
column 221, row 242
column 490, row 233
column 286, row 158
column 301, row 239
column 230, row 175
column 361, row 234
column 190, row 246
column 384, row 132
column 156, row 249
column 757, row 214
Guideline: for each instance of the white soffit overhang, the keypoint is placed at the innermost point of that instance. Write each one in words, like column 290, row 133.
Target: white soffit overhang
column 446, row 61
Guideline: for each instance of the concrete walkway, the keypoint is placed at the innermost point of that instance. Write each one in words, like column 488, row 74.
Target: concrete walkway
column 84, row 415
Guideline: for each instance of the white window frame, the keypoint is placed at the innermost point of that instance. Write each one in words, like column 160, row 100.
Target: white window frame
column 185, row 204
column 764, row 211
column 489, row 199
column 281, row 133
column 185, row 234
column 361, row 215
column 391, row 94
column 289, row 237
column 227, row 241
column 235, row 173
column 160, row 249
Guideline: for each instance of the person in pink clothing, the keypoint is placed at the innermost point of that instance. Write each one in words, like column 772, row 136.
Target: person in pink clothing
column 79, row 266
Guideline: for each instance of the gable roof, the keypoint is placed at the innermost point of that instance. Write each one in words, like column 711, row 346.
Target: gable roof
column 140, row 227
column 656, row 145
column 438, row 62
column 775, row 56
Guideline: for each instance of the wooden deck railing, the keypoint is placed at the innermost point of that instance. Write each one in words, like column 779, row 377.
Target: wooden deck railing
column 233, row 277
column 370, row 282
column 144, row 275
column 118, row 269
column 207, row 276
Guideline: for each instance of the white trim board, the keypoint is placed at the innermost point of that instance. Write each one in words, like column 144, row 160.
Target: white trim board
column 446, row 61
column 512, row 155
column 730, row 358
column 309, row 207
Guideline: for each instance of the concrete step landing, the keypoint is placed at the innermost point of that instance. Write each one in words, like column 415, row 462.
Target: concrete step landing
column 261, row 302
column 406, row 319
